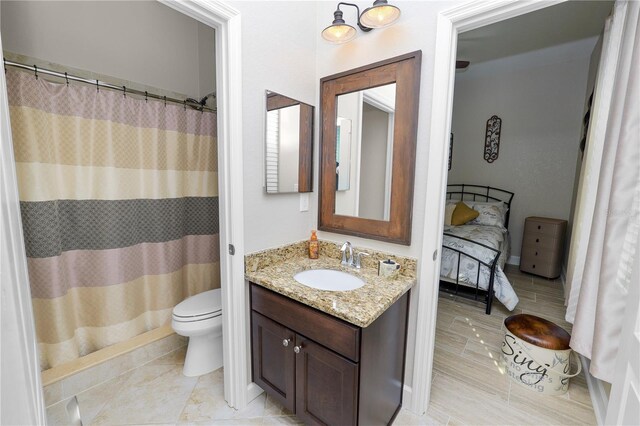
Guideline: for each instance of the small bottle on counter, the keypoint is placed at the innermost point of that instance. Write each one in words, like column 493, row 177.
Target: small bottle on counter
column 313, row 246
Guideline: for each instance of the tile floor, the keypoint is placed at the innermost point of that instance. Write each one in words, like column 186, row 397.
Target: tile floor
column 158, row 393
column 468, row 387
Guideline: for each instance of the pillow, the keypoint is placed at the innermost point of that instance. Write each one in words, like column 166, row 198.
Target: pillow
column 463, row 214
column 499, row 204
column 448, row 213
column 490, row 213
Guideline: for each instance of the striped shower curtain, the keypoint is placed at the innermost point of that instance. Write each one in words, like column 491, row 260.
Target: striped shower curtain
column 119, row 201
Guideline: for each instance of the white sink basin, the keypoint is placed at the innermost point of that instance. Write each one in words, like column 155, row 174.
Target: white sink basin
column 328, row 279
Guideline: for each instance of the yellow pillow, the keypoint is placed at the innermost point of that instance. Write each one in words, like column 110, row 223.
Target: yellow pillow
column 463, row 214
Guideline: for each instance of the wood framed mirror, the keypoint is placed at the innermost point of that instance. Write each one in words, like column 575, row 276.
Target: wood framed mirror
column 369, row 123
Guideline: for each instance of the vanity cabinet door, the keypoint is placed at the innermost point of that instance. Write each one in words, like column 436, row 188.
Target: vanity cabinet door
column 273, row 359
column 326, row 386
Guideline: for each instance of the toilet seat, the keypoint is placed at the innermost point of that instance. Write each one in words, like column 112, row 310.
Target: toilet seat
column 202, row 306
column 196, row 317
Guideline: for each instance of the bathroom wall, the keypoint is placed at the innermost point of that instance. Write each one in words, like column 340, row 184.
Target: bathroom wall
column 415, row 30
column 279, row 54
column 206, row 62
column 142, row 42
column 540, row 98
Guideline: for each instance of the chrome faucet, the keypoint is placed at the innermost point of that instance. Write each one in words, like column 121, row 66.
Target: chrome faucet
column 353, row 260
column 348, row 261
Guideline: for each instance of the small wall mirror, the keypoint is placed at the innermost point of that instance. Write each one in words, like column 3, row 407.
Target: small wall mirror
column 369, row 122
column 288, row 145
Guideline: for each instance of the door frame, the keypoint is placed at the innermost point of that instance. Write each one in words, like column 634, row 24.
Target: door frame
column 21, row 388
column 225, row 20
column 450, row 23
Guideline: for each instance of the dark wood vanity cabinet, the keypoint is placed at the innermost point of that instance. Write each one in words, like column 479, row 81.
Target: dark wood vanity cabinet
column 323, row 369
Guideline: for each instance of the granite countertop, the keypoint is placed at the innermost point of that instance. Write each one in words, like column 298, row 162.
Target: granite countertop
column 360, row 307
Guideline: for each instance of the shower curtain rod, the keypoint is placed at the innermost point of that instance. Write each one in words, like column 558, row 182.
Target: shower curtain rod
column 97, row 83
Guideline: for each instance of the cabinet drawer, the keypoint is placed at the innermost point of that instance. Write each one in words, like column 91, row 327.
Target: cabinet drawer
column 326, row 330
column 541, row 242
column 544, row 269
column 533, row 254
column 545, row 228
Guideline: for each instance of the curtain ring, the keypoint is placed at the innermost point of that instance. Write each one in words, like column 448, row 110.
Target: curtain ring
column 4, row 62
column 146, row 95
column 35, row 68
column 66, row 77
column 124, row 91
column 185, row 104
column 97, row 86
column 165, row 101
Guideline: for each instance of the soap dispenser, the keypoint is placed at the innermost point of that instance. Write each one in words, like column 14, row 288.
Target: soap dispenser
column 313, row 246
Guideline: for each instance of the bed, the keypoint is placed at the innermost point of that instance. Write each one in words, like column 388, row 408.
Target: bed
column 474, row 254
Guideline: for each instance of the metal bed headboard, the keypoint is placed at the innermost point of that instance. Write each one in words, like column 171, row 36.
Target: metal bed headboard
column 481, row 193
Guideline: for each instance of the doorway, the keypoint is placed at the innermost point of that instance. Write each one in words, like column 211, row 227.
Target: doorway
column 455, row 21
column 225, row 21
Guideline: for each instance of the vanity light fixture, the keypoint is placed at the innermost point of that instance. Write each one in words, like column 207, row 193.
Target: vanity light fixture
column 380, row 15
column 339, row 31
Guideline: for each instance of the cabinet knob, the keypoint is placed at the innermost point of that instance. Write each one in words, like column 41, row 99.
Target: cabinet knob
column 285, row 342
column 539, row 226
column 537, row 240
column 297, row 349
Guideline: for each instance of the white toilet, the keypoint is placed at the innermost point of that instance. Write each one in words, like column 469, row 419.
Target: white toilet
column 199, row 318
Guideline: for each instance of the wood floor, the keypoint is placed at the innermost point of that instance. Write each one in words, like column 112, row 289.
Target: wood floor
column 469, row 385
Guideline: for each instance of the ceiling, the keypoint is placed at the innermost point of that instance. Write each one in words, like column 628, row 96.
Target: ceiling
column 551, row 26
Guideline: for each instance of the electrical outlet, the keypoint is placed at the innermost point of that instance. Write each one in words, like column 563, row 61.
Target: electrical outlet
column 304, row 202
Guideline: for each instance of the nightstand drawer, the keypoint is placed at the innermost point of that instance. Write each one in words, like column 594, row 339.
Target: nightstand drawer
column 554, row 230
column 533, row 254
column 540, row 242
column 545, row 269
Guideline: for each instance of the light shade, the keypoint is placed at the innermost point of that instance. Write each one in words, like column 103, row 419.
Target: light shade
column 339, row 31
column 379, row 15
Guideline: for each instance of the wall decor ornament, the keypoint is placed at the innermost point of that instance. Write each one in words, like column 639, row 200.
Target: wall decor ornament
column 492, row 139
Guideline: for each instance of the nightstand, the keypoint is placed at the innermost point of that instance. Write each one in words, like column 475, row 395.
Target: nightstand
column 542, row 246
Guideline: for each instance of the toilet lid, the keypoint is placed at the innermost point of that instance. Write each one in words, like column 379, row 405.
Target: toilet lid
column 201, row 304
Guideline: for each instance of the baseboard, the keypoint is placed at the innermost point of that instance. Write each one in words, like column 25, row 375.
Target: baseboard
column 253, row 391
column 406, row 397
column 70, row 379
column 513, row 260
column 599, row 398
column 108, row 353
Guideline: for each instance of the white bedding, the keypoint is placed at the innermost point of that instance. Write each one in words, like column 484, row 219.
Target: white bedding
column 492, row 236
